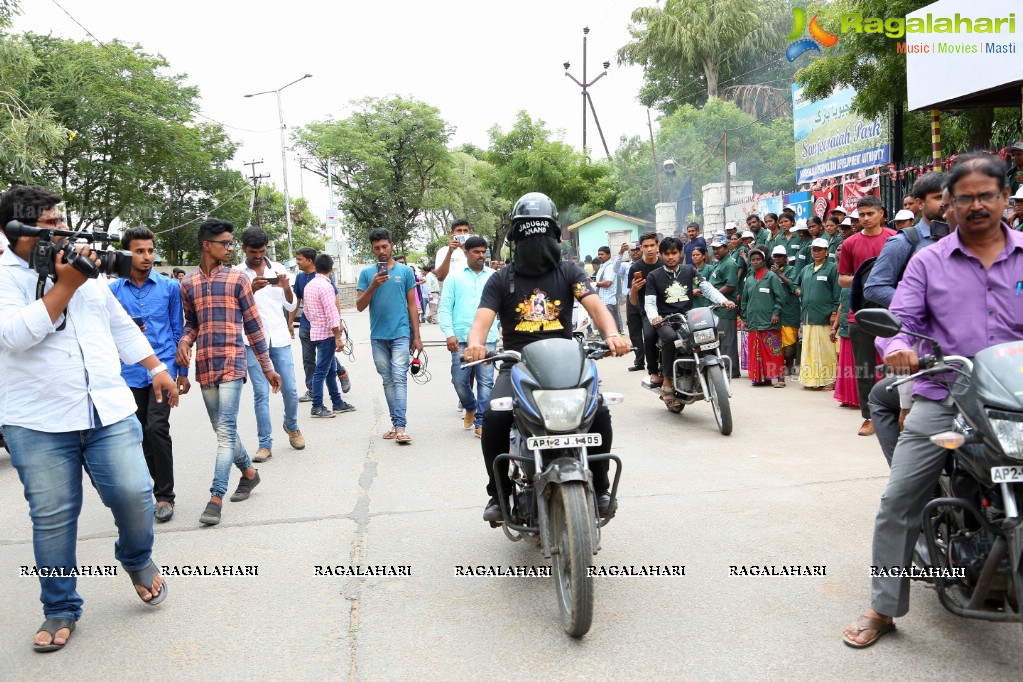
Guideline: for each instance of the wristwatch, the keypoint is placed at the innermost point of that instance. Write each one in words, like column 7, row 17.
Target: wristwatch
column 156, row 370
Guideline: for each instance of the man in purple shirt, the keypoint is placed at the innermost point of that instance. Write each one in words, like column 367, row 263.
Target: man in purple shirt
column 961, row 292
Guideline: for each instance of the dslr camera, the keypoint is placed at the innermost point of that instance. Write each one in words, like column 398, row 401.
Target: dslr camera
column 44, row 255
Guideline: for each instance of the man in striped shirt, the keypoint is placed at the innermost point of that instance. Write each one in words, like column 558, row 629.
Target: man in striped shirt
column 320, row 307
column 219, row 306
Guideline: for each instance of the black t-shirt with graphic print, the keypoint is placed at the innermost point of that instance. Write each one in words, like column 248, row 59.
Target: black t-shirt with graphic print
column 674, row 290
column 540, row 307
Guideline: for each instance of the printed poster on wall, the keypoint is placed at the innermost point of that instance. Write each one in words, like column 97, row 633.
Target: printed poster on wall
column 831, row 140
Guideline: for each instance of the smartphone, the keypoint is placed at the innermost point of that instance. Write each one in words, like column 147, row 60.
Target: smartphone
column 382, row 268
column 939, row 229
column 638, row 275
column 273, row 280
column 461, row 238
column 139, row 321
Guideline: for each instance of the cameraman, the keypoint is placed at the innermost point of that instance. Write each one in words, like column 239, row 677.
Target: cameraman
column 70, row 340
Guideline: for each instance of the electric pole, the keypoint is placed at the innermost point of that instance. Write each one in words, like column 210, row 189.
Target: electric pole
column 254, row 205
column 587, row 100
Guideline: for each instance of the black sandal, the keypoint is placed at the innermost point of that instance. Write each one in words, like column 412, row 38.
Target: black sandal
column 53, row 626
column 145, row 577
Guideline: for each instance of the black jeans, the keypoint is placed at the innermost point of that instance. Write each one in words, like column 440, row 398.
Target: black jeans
column 865, row 357
column 309, row 359
column 156, row 441
column 653, row 360
column 634, row 320
column 730, row 343
column 497, row 431
column 668, row 336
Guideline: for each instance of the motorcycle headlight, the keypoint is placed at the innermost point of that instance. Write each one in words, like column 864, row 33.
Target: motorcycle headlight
column 1009, row 429
column 704, row 336
column 562, row 410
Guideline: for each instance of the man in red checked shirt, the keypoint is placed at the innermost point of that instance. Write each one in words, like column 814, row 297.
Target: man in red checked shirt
column 219, row 306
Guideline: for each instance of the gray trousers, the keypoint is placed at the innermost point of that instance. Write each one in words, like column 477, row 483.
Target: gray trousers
column 884, row 412
column 916, row 466
column 730, row 343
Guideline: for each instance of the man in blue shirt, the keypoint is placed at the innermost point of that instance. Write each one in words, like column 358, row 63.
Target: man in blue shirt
column 389, row 291
column 154, row 302
column 693, row 230
column 458, row 304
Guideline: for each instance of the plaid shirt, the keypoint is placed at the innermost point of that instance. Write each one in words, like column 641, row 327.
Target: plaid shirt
column 218, row 309
column 320, row 306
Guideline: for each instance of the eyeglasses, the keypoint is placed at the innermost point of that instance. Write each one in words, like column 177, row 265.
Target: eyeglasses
column 58, row 220
column 226, row 243
column 966, row 200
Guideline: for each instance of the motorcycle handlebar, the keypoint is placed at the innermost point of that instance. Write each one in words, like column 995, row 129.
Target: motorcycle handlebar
column 494, row 356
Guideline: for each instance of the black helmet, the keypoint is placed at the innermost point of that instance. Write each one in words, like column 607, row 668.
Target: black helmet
column 534, row 214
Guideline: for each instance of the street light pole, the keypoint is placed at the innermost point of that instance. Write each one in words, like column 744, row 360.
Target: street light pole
column 587, row 99
column 284, row 157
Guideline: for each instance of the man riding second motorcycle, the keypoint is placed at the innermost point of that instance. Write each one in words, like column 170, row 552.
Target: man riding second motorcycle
column 534, row 297
column 964, row 292
column 670, row 289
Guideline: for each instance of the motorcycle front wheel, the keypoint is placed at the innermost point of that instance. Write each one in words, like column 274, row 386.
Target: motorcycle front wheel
column 718, row 391
column 570, row 519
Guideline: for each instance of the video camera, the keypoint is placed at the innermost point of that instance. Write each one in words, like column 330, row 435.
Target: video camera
column 44, row 255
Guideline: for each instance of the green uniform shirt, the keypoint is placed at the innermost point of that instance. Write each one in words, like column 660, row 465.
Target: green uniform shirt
column 740, row 256
column 762, row 236
column 790, row 302
column 803, row 258
column 702, row 301
column 819, row 293
column 726, row 274
column 833, row 243
column 760, row 300
column 793, row 246
column 776, row 241
column 843, row 312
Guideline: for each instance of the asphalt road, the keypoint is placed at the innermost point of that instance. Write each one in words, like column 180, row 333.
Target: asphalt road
column 793, row 485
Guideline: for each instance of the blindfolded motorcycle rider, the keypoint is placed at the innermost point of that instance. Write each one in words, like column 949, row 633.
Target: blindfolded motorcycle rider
column 964, row 292
column 534, row 298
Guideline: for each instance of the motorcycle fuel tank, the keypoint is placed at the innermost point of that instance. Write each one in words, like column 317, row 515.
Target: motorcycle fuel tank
column 555, row 363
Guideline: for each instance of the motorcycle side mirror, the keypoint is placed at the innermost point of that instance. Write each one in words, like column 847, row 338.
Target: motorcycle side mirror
column 878, row 322
column 501, row 404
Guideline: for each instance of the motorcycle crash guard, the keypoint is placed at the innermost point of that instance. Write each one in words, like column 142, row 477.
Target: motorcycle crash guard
column 709, row 361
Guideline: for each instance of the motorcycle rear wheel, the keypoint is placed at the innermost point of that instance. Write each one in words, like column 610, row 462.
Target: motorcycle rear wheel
column 571, row 519
column 718, row 390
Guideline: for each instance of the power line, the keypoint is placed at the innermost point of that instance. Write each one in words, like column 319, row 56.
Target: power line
column 203, row 217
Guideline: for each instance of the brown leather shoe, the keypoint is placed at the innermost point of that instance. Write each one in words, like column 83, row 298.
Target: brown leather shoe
column 867, row 429
column 295, row 438
column 262, row 454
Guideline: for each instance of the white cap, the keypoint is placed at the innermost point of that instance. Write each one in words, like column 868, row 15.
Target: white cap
column 717, row 243
column 1019, row 193
column 905, row 214
column 855, row 215
column 819, row 242
column 792, row 206
column 779, row 251
column 801, row 224
column 746, row 234
column 731, row 226
column 847, row 221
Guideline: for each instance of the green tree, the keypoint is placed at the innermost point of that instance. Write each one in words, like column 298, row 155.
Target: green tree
column 466, row 189
column 306, row 228
column 689, row 48
column 129, row 116
column 870, row 63
column 526, row 159
column 197, row 184
column 29, row 135
column 384, row 158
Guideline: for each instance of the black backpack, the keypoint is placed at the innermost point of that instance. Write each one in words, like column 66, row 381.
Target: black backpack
column 857, row 301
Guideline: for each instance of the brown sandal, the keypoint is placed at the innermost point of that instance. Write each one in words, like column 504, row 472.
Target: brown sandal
column 390, row 435
column 865, row 623
column 403, row 439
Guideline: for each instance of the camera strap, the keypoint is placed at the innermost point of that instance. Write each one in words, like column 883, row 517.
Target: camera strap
column 40, row 290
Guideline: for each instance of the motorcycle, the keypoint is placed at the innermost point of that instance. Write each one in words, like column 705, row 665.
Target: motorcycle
column 973, row 529
column 554, row 403
column 700, row 371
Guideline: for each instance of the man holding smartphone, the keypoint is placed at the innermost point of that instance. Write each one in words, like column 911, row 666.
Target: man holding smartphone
column 274, row 297
column 154, row 304
column 452, row 257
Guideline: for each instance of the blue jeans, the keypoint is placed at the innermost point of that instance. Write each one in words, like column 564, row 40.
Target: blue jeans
column 326, row 370
column 462, row 380
column 284, row 365
column 50, row 467
column 222, row 407
column 391, row 357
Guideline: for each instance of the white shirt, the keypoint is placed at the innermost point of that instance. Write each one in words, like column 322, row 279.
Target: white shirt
column 606, row 273
column 52, row 380
column 270, row 299
column 4, row 244
column 458, row 261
